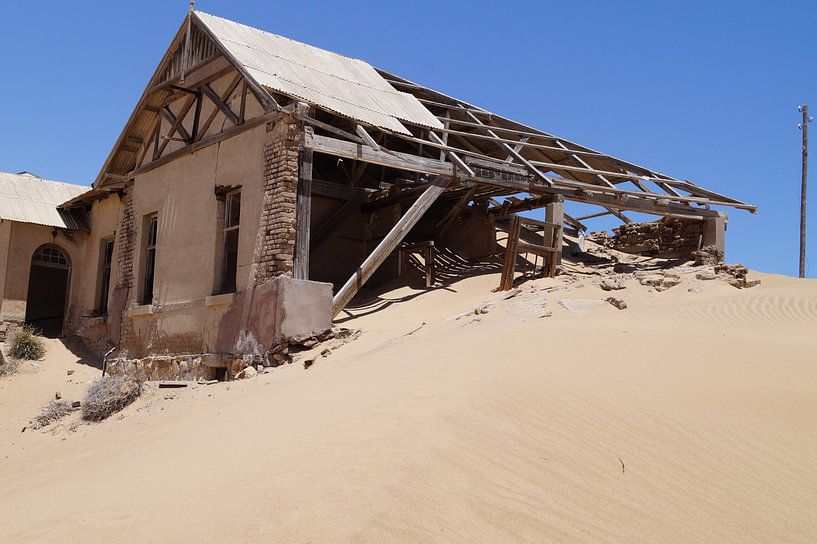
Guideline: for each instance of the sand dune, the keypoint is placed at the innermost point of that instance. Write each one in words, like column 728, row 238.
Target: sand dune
column 689, row 417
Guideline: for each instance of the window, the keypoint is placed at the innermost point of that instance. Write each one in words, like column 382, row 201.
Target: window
column 105, row 259
column 51, row 257
column 229, row 266
column 149, row 232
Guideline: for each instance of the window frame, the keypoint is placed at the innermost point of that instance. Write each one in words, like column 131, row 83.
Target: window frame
column 150, row 236
column 229, row 271
column 104, row 272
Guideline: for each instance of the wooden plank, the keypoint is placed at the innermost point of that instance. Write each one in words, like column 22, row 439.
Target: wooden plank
column 224, row 96
column 509, row 260
column 453, row 157
column 303, row 216
column 388, row 244
column 393, row 159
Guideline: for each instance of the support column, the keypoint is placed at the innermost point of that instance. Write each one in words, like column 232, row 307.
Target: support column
column 303, row 205
column 555, row 214
column 714, row 233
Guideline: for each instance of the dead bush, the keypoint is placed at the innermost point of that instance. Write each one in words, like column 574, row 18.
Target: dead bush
column 55, row 410
column 108, row 395
column 9, row 367
column 27, row 344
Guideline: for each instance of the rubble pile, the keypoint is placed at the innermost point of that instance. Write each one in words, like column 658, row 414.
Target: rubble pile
column 667, row 238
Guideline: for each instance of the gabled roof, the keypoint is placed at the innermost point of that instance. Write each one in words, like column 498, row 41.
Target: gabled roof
column 343, row 85
column 355, row 93
column 26, row 198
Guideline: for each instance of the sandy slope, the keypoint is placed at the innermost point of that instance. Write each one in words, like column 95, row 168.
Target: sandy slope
column 689, row 417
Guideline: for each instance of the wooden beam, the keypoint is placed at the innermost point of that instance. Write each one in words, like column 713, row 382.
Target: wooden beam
column 509, row 260
column 511, row 151
column 451, row 217
column 206, row 142
column 555, row 215
column 453, row 157
column 389, row 244
column 303, row 216
column 394, row 159
column 217, row 100
column 226, row 94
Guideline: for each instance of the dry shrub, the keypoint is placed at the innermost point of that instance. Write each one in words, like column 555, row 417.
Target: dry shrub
column 9, row 367
column 56, row 409
column 108, row 395
column 27, row 344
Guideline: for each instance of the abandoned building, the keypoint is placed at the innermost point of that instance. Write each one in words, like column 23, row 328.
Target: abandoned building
column 260, row 182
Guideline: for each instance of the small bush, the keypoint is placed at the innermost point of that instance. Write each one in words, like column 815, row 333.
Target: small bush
column 27, row 344
column 108, row 395
column 9, row 367
column 56, row 409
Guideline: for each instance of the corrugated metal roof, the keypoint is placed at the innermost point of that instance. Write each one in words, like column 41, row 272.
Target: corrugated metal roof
column 347, row 86
column 27, row 198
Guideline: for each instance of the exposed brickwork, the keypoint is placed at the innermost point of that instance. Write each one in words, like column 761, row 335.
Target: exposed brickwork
column 126, row 241
column 126, row 244
column 275, row 245
column 667, row 238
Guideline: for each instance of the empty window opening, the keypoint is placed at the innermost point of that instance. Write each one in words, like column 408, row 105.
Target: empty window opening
column 229, row 263
column 104, row 285
column 148, row 271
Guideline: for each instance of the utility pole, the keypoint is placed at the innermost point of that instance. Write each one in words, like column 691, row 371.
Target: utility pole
column 804, row 127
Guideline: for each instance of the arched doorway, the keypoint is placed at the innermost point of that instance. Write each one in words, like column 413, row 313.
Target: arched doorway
column 48, row 289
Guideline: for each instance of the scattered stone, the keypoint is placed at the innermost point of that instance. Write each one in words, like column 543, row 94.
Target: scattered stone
column 248, row 372
column 706, row 275
column 308, row 363
column 58, row 395
column 617, row 302
column 326, row 352
column 736, row 275
column 709, row 255
column 546, row 314
column 653, row 280
column 667, row 283
column 614, row 283
column 269, row 370
column 76, row 404
column 483, row 308
column 70, row 372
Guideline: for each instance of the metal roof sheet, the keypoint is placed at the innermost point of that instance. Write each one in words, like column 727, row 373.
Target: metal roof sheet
column 27, row 198
column 347, row 86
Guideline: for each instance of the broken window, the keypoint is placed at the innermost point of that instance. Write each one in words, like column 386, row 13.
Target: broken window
column 229, row 266
column 149, row 232
column 105, row 259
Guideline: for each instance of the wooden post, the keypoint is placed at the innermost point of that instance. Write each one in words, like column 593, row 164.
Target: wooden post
column 509, row 260
column 388, row 244
column 303, row 210
column 555, row 214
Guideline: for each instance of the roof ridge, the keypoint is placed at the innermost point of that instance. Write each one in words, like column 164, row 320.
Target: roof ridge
column 293, row 40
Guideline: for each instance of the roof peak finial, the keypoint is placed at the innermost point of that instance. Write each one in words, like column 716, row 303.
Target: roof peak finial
column 192, row 6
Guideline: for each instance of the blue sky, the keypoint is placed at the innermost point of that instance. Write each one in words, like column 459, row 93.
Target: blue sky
column 700, row 90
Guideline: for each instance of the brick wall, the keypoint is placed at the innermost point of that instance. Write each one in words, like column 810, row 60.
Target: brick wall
column 126, row 244
column 667, row 238
column 275, row 245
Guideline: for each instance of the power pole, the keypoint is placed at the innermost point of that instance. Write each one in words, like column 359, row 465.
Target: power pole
column 804, row 127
